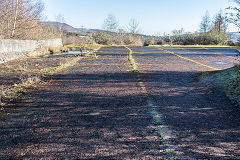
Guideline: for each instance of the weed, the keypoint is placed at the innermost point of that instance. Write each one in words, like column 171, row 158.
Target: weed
column 18, row 89
column 30, row 75
column 117, row 39
column 226, row 81
column 132, row 61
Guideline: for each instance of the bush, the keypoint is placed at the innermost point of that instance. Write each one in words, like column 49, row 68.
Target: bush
column 109, row 38
column 101, row 38
column 133, row 39
column 190, row 39
column 218, row 38
column 209, row 38
column 76, row 39
column 167, row 40
column 160, row 42
column 149, row 41
column 230, row 43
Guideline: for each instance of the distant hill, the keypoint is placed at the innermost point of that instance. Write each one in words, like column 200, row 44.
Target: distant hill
column 83, row 31
column 69, row 28
column 234, row 36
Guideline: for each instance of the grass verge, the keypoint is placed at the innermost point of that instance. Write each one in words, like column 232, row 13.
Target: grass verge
column 226, row 81
column 131, row 60
column 17, row 90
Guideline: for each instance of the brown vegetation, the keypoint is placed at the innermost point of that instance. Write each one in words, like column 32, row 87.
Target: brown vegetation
column 19, row 76
column 110, row 38
column 71, row 38
column 20, row 19
column 212, row 32
column 47, row 51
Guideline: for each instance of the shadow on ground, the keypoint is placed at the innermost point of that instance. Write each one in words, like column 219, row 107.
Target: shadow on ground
column 103, row 114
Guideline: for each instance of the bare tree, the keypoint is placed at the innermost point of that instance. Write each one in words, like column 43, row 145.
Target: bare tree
column 205, row 25
column 20, row 18
column 220, row 23
column 60, row 23
column 233, row 16
column 15, row 18
column 111, row 23
column 133, row 26
column 177, row 36
column 5, row 13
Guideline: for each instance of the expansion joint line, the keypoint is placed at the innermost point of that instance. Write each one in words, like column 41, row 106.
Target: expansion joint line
column 216, row 53
column 169, row 150
column 219, row 54
column 187, row 59
column 212, row 52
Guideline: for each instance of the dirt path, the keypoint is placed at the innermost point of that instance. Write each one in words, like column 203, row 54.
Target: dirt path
column 100, row 110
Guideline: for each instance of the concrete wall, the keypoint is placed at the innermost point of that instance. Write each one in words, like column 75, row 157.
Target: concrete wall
column 13, row 49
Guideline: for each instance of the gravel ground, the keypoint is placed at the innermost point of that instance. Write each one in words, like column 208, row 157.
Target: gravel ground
column 205, row 123
column 98, row 110
column 93, row 111
column 17, row 71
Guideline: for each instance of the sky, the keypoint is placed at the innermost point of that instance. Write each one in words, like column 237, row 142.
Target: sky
column 155, row 17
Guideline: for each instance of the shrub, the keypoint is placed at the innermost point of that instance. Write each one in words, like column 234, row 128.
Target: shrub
column 109, row 38
column 210, row 38
column 101, row 38
column 133, row 39
column 218, row 37
column 149, row 41
column 76, row 39
column 189, row 39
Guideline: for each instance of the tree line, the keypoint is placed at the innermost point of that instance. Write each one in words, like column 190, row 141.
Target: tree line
column 115, row 34
column 112, row 34
column 21, row 19
column 211, row 32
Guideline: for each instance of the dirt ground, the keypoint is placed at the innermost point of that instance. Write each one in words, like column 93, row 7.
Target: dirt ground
column 17, row 71
column 204, row 123
column 100, row 109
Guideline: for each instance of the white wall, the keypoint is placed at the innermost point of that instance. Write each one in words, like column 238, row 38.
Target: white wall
column 13, row 49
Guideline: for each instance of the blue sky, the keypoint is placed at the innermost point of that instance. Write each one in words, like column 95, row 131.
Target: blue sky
column 155, row 16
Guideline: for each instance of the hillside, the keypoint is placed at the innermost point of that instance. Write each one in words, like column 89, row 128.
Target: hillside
column 69, row 28
column 234, row 36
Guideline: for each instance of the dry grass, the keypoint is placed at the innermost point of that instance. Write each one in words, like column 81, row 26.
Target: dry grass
column 131, row 60
column 62, row 66
column 59, row 49
column 47, row 51
column 29, row 73
column 226, row 81
column 18, row 89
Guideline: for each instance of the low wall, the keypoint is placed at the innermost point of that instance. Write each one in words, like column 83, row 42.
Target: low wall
column 13, row 49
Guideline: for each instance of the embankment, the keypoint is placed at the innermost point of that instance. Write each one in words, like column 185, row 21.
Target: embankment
column 226, row 81
column 13, row 49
